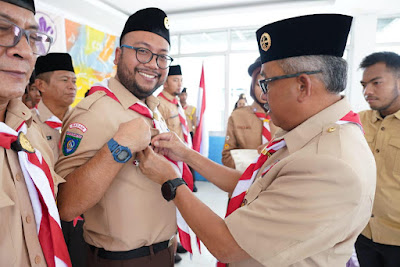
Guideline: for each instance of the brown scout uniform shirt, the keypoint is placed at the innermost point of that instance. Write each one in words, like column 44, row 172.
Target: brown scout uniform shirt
column 19, row 243
column 191, row 118
column 310, row 207
column 383, row 137
column 170, row 113
column 243, row 132
column 132, row 213
column 52, row 135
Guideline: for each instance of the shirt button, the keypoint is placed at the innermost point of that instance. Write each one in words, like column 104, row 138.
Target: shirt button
column 38, row 259
column 372, row 215
column 382, row 128
column 18, row 177
column 28, row 219
column 377, row 150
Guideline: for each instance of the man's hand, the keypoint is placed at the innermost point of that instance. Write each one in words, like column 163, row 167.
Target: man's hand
column 170, row 145
column 134, row 134
column 155, row 166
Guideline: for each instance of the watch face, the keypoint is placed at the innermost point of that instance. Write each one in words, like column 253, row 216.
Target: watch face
column 123, row 155
column 166, row 191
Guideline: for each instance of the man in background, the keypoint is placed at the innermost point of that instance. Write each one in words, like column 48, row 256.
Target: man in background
column 56, row 81
column 379, row 243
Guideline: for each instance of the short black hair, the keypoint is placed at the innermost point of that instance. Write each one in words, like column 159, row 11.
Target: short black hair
column 391, row 59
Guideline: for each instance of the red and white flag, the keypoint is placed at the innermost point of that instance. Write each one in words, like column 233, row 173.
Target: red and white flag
column 200, row 138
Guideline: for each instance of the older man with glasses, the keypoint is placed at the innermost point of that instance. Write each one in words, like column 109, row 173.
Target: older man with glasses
column 310, row 193
column 126, row 223
column 30, row 232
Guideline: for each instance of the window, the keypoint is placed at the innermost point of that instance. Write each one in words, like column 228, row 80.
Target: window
column 387, row 35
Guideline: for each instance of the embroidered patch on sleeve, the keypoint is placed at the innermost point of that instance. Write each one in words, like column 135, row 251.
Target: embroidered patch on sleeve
column 71, row 143
column 77, row 125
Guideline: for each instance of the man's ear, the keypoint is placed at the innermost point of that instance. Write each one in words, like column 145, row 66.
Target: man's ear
column 304, row 88
column 118, row 54
column 41, row 85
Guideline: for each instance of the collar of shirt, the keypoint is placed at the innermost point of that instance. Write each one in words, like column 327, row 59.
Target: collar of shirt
column 43, row 112
column 169, row 96
column 255, row 107
column 127, row 99
column 17, row 113
column 377, row 116
column 302, row 134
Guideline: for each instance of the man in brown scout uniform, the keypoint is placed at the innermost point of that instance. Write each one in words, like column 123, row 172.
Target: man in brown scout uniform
column 190, row 112
column 169, row 100
column 248, row 127
column 56, row 80
column 126, row 221
column 310, row 193
column 21, row 214
column 379, row 243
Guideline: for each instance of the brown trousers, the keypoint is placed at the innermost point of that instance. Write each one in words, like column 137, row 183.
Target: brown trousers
column 163, row 258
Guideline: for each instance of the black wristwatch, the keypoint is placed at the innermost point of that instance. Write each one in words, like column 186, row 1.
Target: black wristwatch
column 168, row 189
column 120, row 153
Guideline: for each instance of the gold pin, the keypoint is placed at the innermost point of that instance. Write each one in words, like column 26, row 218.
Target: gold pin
column 155, row 116
column 265, row 41
column 166, row 23
column 331, row 129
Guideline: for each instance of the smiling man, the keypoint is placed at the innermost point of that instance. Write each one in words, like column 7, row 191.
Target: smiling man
column 28, row 214
column 126, row 222
column 379, row 243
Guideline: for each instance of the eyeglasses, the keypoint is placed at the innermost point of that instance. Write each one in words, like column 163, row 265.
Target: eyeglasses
column 264, row 83
column 144, row 55
column 11, row 34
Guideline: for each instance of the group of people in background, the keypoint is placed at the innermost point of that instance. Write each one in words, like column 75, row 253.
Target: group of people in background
column 83, row 187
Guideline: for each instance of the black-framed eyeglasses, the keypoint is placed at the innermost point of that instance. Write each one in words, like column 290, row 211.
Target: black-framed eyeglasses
column 264, row 83
column 144, row 55
column 11, row 34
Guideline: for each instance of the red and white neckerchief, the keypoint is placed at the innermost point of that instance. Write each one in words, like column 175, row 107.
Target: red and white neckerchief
column 181, row 167
column 40, row 186
column 247, row 178
column 54, row 123
column 182, row 119
column 266, row 131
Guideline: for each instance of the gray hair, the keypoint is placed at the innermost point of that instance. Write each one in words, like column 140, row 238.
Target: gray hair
column 334, row 69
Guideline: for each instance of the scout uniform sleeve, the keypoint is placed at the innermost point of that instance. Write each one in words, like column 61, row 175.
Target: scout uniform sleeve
column 84, row 133
column 230, row 143
column 308, row 207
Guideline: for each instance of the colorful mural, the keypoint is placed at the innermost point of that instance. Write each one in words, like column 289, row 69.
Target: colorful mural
column 92, row 52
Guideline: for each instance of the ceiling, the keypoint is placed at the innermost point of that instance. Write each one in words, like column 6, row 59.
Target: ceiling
column 192, row 16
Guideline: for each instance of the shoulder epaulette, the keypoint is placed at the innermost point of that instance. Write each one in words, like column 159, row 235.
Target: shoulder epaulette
column 88, row 101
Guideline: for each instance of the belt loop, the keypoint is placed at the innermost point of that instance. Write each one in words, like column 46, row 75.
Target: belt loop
column 151, row 250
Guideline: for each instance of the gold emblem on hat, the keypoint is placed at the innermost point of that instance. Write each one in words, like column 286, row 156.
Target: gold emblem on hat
column 22, row 144
column 166, row 23
column 265, row 41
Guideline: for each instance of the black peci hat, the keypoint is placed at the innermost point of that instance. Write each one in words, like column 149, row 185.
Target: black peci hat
column 318, row 34
column 150, row 20
column 255, row 65
column 175, row 70
column 27, row 4
column 52, row 62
